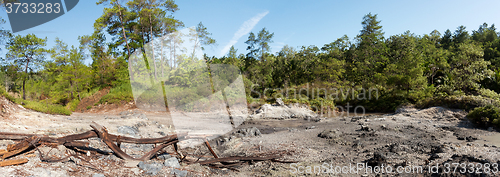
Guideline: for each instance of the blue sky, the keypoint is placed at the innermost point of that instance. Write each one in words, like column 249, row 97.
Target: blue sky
column 295, row 23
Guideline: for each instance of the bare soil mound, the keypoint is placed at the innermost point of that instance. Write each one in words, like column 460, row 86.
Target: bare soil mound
column 91, row 100
column 7, row 107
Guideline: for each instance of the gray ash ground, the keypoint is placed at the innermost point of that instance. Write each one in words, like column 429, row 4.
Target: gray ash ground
column 408, row 138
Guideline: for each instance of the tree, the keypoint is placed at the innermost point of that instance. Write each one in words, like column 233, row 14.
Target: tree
column 460, row 35
column 27, row 51
column 446, row 40
column 115, row 18
column 259, row 44
column 468, row 68
column 369, row 59
column 405, row 71
column 232, row 58
column 69, row 70
column 4, row 34
column 435, row 58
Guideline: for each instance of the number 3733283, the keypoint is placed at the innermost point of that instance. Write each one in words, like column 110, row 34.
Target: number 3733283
column 33, row 8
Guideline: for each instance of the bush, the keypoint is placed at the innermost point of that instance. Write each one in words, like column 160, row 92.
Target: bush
column 486, row 116
column 489, row 94
column 72, row 104
column 117, row 94
column 466, row 102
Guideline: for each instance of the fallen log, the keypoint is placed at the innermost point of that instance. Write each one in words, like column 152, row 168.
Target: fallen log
column 86, row 135
column 113, row 141
column 103, row 134
column 13, row 162
column 32, row 143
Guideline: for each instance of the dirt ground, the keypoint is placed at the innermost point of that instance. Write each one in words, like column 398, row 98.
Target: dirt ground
column 429, row 138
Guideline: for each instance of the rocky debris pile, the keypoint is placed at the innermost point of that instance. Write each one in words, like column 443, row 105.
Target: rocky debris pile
column 281, row 111
column 329, row 134
column 241, row 133
column 436, row 113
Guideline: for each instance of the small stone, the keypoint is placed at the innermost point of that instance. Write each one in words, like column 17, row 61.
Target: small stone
column 164, row 156
column 150, row 168
column 127, row 130
column 177, row 172
column 172, row 162
column 98, row 175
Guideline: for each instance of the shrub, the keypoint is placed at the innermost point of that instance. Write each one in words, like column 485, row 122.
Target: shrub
column 72, row 104
column 117, row 94
column 486, row 116
column 466, row 102
column 489, row 94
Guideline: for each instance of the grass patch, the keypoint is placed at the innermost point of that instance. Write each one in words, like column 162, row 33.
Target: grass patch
column 44, row 107
column 37, row 106
column 117, row 94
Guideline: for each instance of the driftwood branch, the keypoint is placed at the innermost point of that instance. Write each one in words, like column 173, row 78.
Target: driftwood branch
column 31, row 141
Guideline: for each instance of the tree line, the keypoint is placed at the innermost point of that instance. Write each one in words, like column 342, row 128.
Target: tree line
column 404, row 68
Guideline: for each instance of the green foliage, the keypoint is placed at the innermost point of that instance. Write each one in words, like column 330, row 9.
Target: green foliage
column 489, row 94
column 27, row 52
column 71, row 106
column 485, row 116
column 116, row 95
column 44, row 107
column 466, row 102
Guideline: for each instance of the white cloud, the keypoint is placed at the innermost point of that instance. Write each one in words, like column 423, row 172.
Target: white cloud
column 245, row 28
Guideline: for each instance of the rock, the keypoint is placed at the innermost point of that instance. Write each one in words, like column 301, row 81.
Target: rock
column 131, row 163
column 329, row 134
column 137, row 147
column 434, row 157
column 172, row 162
column 365, row 128
column 491, row 129
column 377, row 160
column 177, row 172
column 280, row 102
column 247, row 132
column 254, row 131
column 98, row 175
column 126, row 130
column 164, row 156
column 311, row 127
column 281, row 111
column 150, row 168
